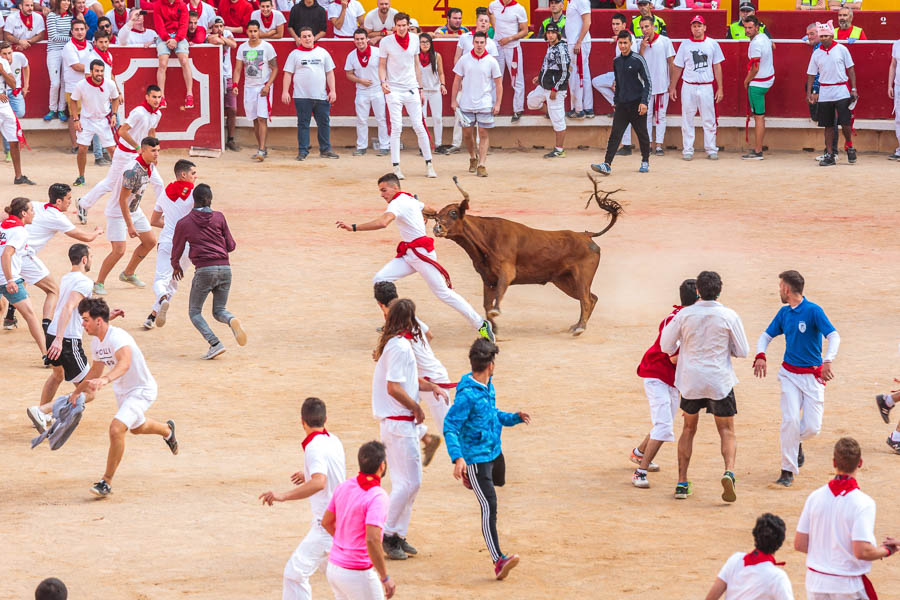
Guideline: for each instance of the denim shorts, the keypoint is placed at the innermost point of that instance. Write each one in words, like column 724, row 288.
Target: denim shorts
column 20, row 294
column 484, row 119
column 180, row 48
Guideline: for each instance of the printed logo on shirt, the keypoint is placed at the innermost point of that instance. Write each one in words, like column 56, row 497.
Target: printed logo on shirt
column 701, row 61
column 311, row 61
column 107, row 356
column 254, row 60
column 802, row 326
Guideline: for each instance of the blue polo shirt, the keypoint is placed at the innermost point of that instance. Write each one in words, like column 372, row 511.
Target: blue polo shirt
column 803, row 328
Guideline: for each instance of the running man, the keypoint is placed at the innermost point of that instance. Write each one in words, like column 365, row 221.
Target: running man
column 262, row 68
column 125, row 219
column 886, row 403
column 142, row 122
column 133, row 385
column 89, row 109
column 803, row 373
column 324, row 469
column 657, row 369
column 416, row 252
column 175, row 205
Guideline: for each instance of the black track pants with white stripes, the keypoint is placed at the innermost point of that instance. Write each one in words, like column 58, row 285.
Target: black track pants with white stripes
column 483, row 477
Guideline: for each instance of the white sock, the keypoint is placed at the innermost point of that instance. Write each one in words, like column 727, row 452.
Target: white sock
column 888, row 400
column 638, row 453
column 558, row 149
column 895, row 436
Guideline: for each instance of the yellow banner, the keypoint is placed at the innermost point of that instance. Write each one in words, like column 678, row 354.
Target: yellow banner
column 434, row 12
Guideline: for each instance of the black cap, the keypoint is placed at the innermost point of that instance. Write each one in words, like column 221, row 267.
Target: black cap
column 746, row 5
column 551, row 27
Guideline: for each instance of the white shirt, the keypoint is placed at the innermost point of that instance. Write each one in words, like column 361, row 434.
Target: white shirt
column 94, row 100
column 506, row 22
column 140, row 121
column 111, row 15
column 373, row 22
column 895, row 54
column 16, row 237
column 397, row 364
column 129, row 37
column 226, row 56
column 697, row 59
column 16, row 27
column 277, row 19
column 285, row 4
column 370, row 71
column 467, row 40
column 8, row 68
column 478, row 76
column 657, row 56
column 761, row 47
column 137, row 378
column 207, row 14
column 763, row 581
column 427, row 364
column 353, row 12
column 401, row 64
column 431, row 80
column 91, row 57
column 324, row 454
column 48, row 220
column 408, row 213
column 73, row 56
column 173, row 211
column 73, row 281
column 574, row 11
column 309, row 68
column 709, row 334
column 831, row 67
column 256, row 62
column 833, row 523
column 19, row 62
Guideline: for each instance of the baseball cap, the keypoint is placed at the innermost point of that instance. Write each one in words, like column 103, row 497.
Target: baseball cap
column 552, row 26
column 643, row 2
column 218, row 20
column 413, row 22
column 746, row 5
column 555, row 1
column 698, row 19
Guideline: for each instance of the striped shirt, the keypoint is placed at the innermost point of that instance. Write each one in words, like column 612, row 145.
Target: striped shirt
column 59, row 29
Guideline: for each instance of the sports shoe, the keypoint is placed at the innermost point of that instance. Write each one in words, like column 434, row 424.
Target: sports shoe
column 23, row 180
column 645, row 167
column 713, row 156
column 687, row 156
column 486, row 331
column 653, row 467
column 82, row 215
column 895, row 155
column 660, row 151
column 430, row 447
column 516, row 117
column 391, row 546
column 50, row 116
column 8, row 157
column 99, row 289
column 786, row 479
column 728, row 494
column 150, row 321
column 894, row 444
column 453, row 149
column 827, row 161
column 328, row 154
column 101, row 488
column 404, row 545
column 302, row 155
column 382, row 152
column 161, row 313
column 624, row 151
column 571, row 114
column 753, row 156
column 171, row 442
column 132, row 279
column 214, row 351
column 232, row 145
column 683, row 490
column 63, row 117
column 9, row 324
column 473, row 165
column 429, row 170
column 359, row 152
column 579, row 114
column 79, row 181
column 506, row 564
column 102, row 161
column 800, row 457
column 259, row 156
column 189, row 101
column 239, row 334
column 883, row 408
column 555, row 154
column 398, row 172
column 589, row 114
column 40, row 420
column 602, row 168
column 481, row 171
column 639, row 480
column 851, row 155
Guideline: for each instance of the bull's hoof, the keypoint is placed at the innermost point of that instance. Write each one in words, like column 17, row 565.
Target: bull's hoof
column 493, row 314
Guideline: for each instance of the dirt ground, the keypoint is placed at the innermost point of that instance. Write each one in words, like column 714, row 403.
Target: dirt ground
column 191, row 526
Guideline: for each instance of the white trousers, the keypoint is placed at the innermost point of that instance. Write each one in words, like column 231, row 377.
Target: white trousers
column 163, row 282
column 582, row 96
column 365, row 100
column 306, row 560
column 438, row 410
column 434, row 106
column 404, row 463
column 399, row 268
column 656, row 119
column 556, row 109
column 604, row 84
column 510, row 59
column 397, row 100
column 698, row 98
column 57, row 89
column 897, row 114
column 664, row 401
column 802, row 408
column 860, row 595
column 352, row 584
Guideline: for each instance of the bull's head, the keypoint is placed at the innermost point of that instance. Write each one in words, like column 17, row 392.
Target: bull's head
column 448, row 221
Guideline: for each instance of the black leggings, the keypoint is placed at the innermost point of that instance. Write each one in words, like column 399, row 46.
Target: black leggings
column 483, row 477
column 627, row 114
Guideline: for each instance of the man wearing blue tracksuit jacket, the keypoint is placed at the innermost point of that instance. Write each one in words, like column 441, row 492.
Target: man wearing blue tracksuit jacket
column 472, row 431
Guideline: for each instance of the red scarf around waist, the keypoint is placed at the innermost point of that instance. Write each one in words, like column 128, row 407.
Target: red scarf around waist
column 367, row 481
column 312, row 435
column 814, row 371
column 425, row 243
column 867, row 583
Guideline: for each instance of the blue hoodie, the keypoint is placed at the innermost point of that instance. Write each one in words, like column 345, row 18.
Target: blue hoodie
column 473, row 425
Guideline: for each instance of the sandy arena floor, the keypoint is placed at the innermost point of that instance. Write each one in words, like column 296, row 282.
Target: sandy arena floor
column 191, row 526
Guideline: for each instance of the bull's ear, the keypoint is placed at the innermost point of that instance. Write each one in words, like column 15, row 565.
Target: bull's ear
column 463, row 207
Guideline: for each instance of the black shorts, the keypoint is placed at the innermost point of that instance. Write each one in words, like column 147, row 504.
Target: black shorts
column 72, row 359
column 726, row 407
column 837, row 111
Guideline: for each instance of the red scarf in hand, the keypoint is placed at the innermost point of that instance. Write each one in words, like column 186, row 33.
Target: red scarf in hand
column 403, row 41
column 364, row 57
column 842, row 485
column 367, row 481
column 180, row 190
column 267, row 23
column 122, row 20
column 27, row 20
column 756, row 557
column 80, row 45
column 424, row 59
column 90, row 80
column 149, row 167
column 105, row 55
column 11, row 221
column 313, row 434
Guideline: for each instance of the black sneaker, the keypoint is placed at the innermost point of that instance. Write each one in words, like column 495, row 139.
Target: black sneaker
column 302, row 156
column 101, row 488
column 23, row 180
column 328, row 154
column 391, row 546
column 851, row 155
column 11, row 323
column 786, row 479
column 800, row 457
column 404, row 545
column 571, row 114
column 589, row 114
column 883, row 408
column 827, row 161
column 515, row 119
column 753, row 156
column 894, row 444
column 171, row 442
column 624, row 151
column 232, row 145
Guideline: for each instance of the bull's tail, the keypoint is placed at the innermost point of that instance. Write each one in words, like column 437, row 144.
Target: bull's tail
column 606, row 203
column 464, row 193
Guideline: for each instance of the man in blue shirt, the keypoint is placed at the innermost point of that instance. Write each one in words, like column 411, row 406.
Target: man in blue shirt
column 803, row 373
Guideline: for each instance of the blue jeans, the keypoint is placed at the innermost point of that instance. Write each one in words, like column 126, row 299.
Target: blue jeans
column 318, row 109
column 215, row 280
column 17, row 104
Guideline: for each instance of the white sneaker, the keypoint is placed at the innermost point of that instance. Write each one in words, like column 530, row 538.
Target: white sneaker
column 713, row 156
column 639, row 480
column 99, row 289
column 687, row 156
column 161, row 313
column 653, row 467
column 149, row 322
column 40, row 421
column 214, row 351
column 429, row 172
column 398, row 173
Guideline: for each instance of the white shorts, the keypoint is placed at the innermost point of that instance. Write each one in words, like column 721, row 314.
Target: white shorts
column 664, row 401
column 117, row 231
column 352, row 584
column 133, row 406
column 8, row 122
column 256, row 106
column 33, row 269
column 92, row 127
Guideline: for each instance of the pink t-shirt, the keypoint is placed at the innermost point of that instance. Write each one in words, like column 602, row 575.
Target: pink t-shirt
column 354, row 509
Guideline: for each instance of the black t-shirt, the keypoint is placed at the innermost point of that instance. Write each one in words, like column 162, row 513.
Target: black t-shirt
column 315, row 17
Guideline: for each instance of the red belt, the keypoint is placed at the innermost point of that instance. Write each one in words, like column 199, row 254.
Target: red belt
column 867, row 583
column 427, row 244
column 764, row 78
column 446, row 386
column 715, row 107
column 814, row 371
column 125, row 148
column 699, row 82
column 847, row 83
column 402, row 418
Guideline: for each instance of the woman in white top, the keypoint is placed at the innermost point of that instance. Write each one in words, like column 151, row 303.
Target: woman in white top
column 59, row 27
column 433, row 85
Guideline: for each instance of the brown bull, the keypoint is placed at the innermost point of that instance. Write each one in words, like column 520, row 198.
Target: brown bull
column 508, row 253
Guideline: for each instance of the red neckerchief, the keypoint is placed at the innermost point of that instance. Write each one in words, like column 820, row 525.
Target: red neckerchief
column 27, row 20
column 397, row 194
column 149, row 108
column 11, row 221
column 403, row 41
column 121, row 22
column 266, row 22
column 305, row 49
column 479, row 57
column 842, row 485
column 90, row 80
column 179, row 190
column 367, row 481
column 829, row 49
column 105, row 55
column 80, row 45
column 756, row 557
column 149, row 167
column 653, row 40
column 312, row 434
column 48, row 205
column 703, row 39
column 407, row 334
column 363, row 57
column 505, row 5
column 424, row 59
